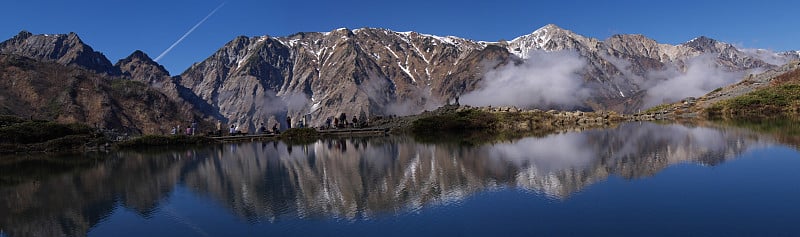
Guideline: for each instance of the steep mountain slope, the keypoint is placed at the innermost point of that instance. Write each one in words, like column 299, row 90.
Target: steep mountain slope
column 65, row 49
column 363, row 73
column 140, row 67
column 49, row 90
column 368, row 71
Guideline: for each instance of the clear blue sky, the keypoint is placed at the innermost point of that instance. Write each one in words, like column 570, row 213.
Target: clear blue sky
column 117, row 28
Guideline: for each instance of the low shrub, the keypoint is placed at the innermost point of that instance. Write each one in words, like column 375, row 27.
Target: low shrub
column 455, row 121
column 775, row 101
column 658, row 108
column 26, row 132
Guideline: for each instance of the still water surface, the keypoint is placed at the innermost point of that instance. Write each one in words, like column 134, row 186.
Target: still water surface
column 634, row 180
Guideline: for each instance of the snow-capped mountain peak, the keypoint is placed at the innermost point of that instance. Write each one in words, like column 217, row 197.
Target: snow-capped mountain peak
column 549, row 38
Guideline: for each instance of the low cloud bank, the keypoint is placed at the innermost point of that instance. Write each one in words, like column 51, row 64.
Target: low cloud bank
column 701, row 75
column 545, row 80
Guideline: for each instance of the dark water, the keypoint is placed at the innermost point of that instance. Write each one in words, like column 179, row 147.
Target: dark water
column 633, row 180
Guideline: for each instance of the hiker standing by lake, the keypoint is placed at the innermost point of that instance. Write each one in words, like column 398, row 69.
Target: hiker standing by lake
column 343, row 120
column 288, row 122
column 335, row 122
column 328, row 123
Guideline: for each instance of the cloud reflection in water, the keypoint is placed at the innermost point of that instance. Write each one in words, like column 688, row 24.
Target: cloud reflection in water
column 357, row 178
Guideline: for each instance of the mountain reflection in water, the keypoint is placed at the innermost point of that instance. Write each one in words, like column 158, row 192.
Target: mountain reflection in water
column 355, row 178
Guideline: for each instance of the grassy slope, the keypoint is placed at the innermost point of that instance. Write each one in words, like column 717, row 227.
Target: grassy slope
column 781, row 99
column 473, row 126
column 455, row 121
column 19, row 135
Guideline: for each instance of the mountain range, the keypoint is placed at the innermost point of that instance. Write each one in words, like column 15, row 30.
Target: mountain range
column 377, row 72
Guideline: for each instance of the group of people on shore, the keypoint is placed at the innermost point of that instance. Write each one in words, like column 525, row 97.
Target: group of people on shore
column 263, row 130
column 234, row 130
column 333, row 122
column 189, row 131
column 341, row 122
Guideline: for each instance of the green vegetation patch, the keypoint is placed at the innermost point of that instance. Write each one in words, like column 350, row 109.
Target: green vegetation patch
column 770, row 102
column 470, row 119
column 6, row 120
column 27, row 132
column 519, row 116
column 658, row 108
column 18, row 135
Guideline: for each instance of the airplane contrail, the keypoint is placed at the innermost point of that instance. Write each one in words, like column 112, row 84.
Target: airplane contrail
column 188, row 32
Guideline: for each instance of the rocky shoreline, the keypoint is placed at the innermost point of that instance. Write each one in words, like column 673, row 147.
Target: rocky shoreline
column 511, row 118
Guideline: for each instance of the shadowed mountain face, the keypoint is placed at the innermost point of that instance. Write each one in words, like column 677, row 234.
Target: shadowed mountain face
column 140, row 67
column 67, row 94
column 351, row 178
column 58, row 77
column 65, row 49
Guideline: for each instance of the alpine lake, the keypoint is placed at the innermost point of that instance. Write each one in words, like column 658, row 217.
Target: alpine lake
column 634, row 179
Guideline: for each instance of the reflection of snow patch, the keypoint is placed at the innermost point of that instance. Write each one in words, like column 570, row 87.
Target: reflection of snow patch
column 534, row 180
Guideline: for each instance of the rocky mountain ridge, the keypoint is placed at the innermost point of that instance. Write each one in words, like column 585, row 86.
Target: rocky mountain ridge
column 48, row 90
column 381, row 72
column 140, row 67
column 376, row 72
column 65, row 49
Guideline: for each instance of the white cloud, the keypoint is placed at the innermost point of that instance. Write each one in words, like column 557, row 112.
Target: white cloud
column 546, row 79
column 701, row 76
